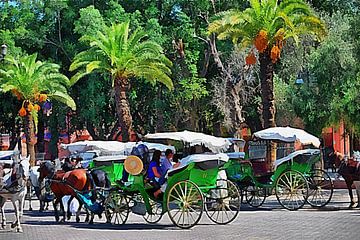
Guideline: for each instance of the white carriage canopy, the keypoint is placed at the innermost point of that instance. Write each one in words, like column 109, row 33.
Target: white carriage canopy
column 288, row 134
column 215, row 144
column 295, row 154
column 111, row 147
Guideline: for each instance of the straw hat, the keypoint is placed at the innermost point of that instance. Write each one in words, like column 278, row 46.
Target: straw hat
column 133, row 165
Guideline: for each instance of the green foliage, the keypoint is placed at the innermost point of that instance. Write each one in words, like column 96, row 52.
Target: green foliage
column 289, row 18
column 90, row 22
column 29, row 77
column 123, row 54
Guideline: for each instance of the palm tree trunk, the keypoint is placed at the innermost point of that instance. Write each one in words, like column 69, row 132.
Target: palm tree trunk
column 121, row 85
column 268, row 102
column 30, row 135
column 267, row 90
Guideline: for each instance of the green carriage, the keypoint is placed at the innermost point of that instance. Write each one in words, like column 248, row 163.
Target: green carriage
column 296, row 178
column 198, row 184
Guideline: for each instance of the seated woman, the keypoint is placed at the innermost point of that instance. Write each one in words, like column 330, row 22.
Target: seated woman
column 153, row 172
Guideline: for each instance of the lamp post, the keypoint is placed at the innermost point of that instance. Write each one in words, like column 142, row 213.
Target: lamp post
column 3, row 51
column 299, row 80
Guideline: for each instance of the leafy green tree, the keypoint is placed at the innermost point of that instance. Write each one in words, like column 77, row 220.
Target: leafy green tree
column 266, row 25
column 123, row 56
column 32, row 82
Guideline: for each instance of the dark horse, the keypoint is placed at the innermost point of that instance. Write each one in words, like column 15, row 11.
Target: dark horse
column 349, row 169
column 78, row 179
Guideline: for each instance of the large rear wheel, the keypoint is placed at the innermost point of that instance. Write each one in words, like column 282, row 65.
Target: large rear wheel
column 222, row 204
column 185, row 204
column 291, row 189
column 321, row 188
column 116, row 208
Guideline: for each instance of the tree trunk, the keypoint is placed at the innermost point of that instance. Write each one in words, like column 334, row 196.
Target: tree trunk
column 123, row 106
column 268, row 103
column 30, row 137
column 267, row 90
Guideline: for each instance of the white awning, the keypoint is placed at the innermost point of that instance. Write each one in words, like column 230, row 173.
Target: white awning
column 288, row 134
column 215, row 144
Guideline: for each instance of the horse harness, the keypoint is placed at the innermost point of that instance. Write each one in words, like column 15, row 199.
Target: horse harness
column 17, row 173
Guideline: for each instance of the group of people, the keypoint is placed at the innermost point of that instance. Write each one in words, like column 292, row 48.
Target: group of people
column 158, row 168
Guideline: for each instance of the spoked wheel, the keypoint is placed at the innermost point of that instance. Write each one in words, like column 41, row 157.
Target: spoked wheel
column 222, row 204
column 116, row 208
column 185, row 204
column 255, row 196
column 156, row 215
column 321, row 188
column 291, row 190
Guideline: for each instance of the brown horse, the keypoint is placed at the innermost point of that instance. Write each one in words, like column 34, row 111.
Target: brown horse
column 61, row 181
column 349, row 169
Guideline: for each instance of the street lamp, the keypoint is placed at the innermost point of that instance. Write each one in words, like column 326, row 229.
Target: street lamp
column 299, row 79
column 3, row 51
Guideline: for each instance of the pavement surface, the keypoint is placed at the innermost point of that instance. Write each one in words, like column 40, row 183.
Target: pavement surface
column 335, row 221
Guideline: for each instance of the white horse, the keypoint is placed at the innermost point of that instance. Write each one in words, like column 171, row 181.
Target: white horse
column 13, row 187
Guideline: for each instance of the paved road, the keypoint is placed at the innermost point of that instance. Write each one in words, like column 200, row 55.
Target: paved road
column 335, row 221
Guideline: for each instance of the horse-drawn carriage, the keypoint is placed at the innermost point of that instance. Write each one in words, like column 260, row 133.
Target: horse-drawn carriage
column 295, row 178
column 192, row 187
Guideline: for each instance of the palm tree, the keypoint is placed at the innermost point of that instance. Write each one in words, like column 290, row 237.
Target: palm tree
column 266, row 25
column 123, row 55
column 32, row 82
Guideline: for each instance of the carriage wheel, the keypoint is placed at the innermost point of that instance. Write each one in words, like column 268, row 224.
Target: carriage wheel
column 156, row 209
column 321, row 188
column 116, row 208
column 185, row 204
column 255, row 196
column 222, row 204
column 291, row 190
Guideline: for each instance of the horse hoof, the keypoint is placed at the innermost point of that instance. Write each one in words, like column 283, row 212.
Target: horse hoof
column 57, row 218
column 3, row 226
column 77, row 219
column 13, row 225
column 19, row 230
column 30, row 209
column 352, row 205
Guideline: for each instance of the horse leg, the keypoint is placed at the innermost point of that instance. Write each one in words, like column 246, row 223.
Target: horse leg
column 348, row 184
column 78, row 212
column 16, row 222
column 357, row 187
column 2, row 203
column 29, row 192
column 55, row 203
column 68, row 213
column 21, row 202
column 63, row 211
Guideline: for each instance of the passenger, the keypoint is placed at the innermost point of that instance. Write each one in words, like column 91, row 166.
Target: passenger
column 154, row 172
column 176, row 161
column 165, row 162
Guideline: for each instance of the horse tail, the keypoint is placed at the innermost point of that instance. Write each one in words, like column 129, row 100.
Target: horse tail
column 90, row 183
